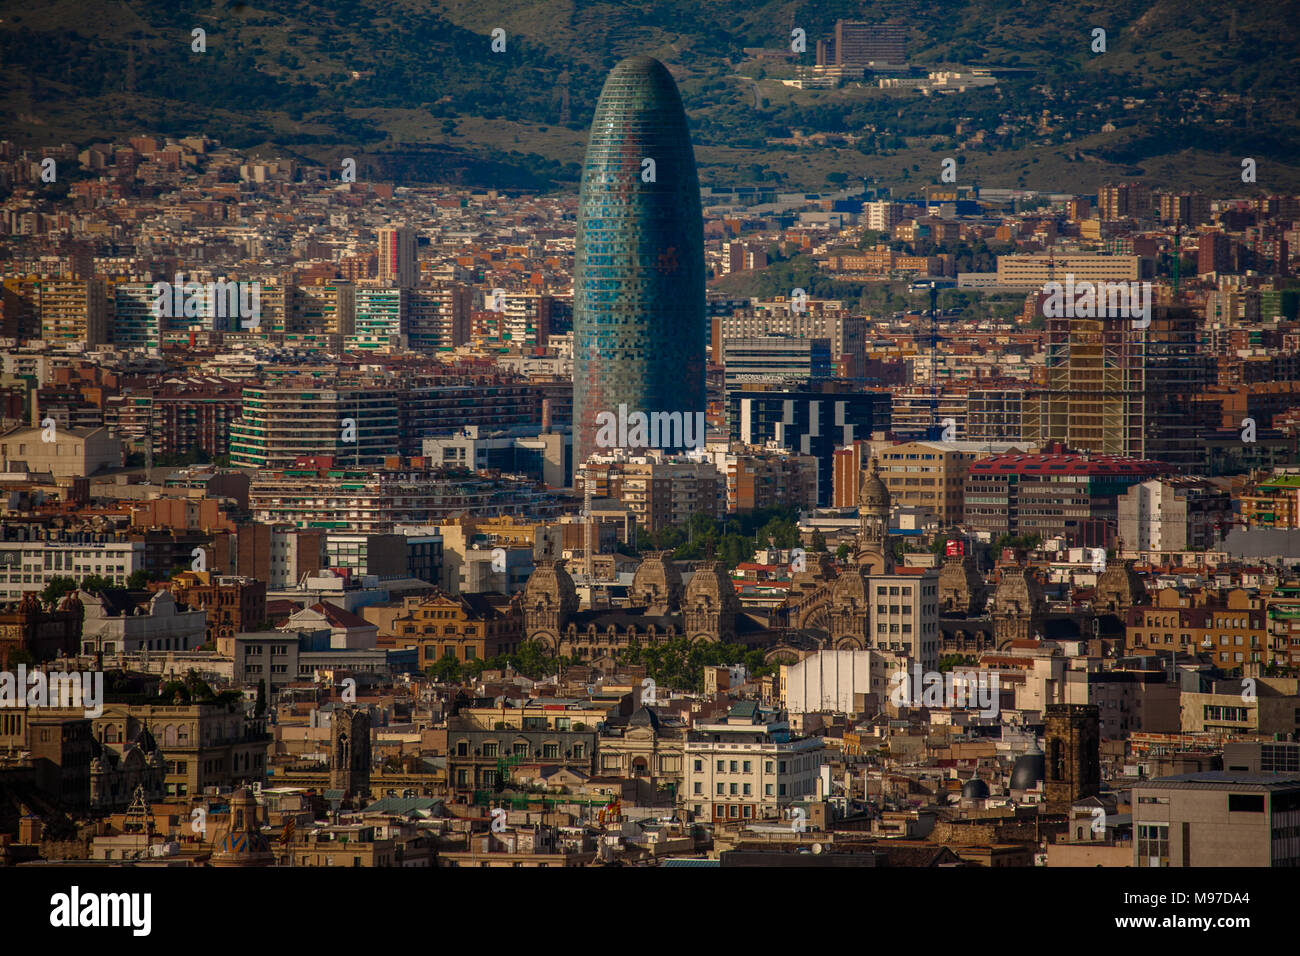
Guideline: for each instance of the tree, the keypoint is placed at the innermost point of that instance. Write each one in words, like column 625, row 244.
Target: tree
column 260, row 707
column 138, row 580
column 57, row 587
column 96, row 582
column 819, row 542
column 445, row 670
column 842, row 552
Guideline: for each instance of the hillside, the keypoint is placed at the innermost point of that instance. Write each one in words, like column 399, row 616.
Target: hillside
column 415, row 92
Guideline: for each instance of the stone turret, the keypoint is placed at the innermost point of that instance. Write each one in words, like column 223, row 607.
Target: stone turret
column 550, row 599
column 657, row 585
column 961, row 587
column 711, row 604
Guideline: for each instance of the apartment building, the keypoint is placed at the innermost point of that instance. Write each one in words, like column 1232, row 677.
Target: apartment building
column 376, row 501
column 1033, row 271
column 1173, row 514
column 1273, row 503
column 1270, row 707
column 932, row 475
column 905, row 615
column 1231, row 627
column 73, row 310
column 397, row 255
column 659, row 491
column 279, row 424
column 746, row 767
column 1055, row 493
column 845, row 332
column 233, row 604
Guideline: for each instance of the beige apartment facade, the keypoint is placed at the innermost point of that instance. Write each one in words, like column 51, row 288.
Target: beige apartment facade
column 63, row 452
column 932, row 474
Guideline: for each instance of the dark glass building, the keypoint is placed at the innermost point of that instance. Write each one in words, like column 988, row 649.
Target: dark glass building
column 638, row 298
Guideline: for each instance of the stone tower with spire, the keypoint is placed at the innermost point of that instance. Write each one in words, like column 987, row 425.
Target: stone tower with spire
column 874, row 555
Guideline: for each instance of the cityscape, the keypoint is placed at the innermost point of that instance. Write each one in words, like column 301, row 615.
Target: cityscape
column 620, row 502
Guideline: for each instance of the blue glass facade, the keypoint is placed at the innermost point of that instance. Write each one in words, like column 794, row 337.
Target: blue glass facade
column 638, row 301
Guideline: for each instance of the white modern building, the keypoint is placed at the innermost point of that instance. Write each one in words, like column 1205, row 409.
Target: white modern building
column 836, row 681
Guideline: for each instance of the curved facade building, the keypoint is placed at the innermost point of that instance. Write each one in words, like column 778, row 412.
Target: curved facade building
column 638, row 298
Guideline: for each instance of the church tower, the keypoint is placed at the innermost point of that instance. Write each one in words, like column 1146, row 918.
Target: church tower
column 350, row 752
column 874, row 554
column 1073, row 755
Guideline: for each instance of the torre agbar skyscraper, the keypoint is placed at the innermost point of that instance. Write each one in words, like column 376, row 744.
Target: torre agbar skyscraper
column 638, row 297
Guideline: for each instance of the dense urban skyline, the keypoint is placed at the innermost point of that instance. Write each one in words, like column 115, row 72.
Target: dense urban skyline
column 652, row 455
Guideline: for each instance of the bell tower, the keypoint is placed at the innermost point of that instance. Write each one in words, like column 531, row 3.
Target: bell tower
column 350, row 752
column 874, row 555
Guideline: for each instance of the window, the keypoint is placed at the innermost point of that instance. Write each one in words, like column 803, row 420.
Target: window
column 734, row 766
column 699, row 766
column 722, row 766
column 748, row 766
column 490, row 750
column 1245, row 803
column 550, row 751
column 1153, row 844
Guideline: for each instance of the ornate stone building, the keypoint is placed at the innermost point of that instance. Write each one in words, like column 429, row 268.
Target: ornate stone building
column 1118, row 589
column 659, row 609
column 1019, row 606
column 42, row 632
column 961, row 587
column 116, row 774
column 640, row 748
column 826, row 610
column 243, row 844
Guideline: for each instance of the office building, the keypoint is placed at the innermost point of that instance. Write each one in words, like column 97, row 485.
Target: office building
column 638, row 306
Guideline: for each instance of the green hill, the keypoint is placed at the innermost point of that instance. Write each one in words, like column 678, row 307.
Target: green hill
column 415, row 92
